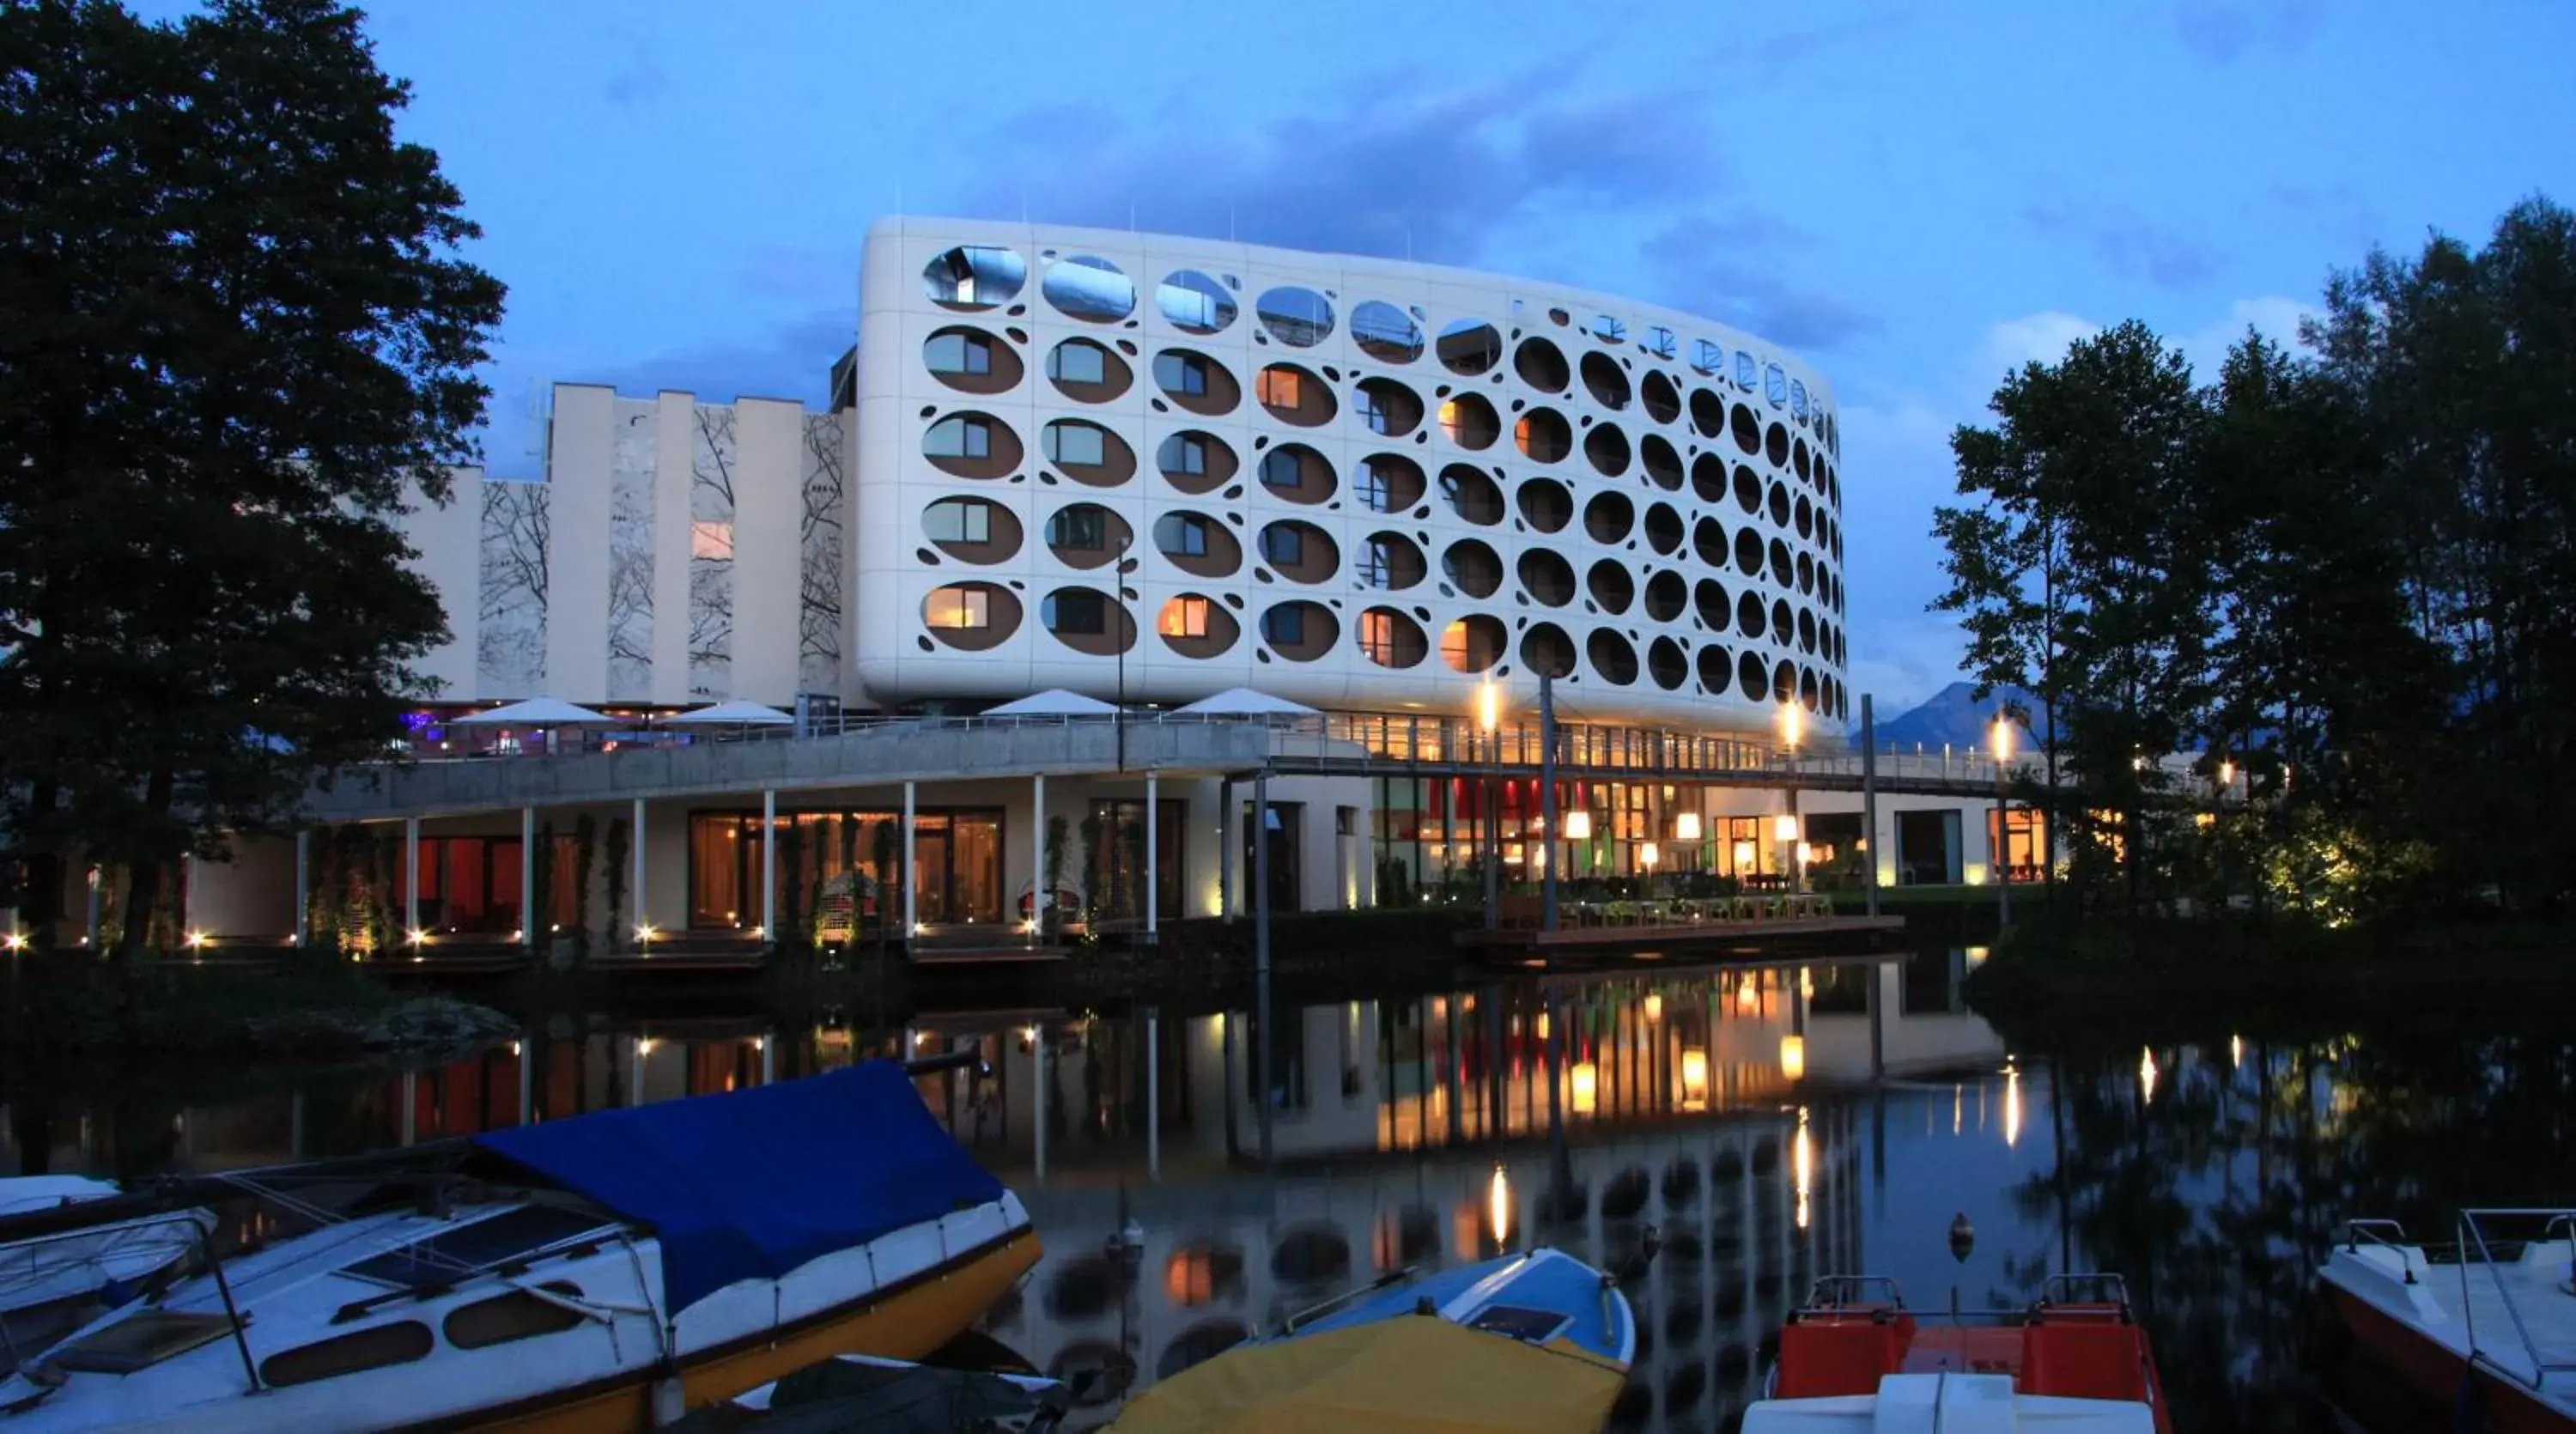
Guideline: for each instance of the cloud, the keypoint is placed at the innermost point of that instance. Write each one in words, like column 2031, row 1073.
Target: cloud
column 1732, row 267
column 1392, row 169
column 2032, row 338
column 2130, row 242
column 1769, row 55
column 2219, row 31
column 638, row 80
column 2273, row 316
column 792, row 360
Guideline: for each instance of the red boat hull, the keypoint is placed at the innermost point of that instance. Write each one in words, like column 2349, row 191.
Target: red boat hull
column 2503, row 1406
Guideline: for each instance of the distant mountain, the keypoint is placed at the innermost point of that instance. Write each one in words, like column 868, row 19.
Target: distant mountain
column 1951, row 716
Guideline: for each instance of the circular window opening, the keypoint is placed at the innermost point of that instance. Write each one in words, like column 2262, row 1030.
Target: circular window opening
column 1663, row 529
column 1088, row 453
column 1708, row 595
column 1386, row 333
column 1473, row 644
column 1299, row 552
column 1469, row 346
column 1547, row 577
column 1714, row 674
column 1662, row 464
column 974, row 276
column 970, row 360
column 1798, row 460
column 1388, row 562
column 1748, row 430
column 1806, row 517
column 1807, row 688
column 1299, row 631
column 971, row 617
column 1088, row 621
column 1469, row 421
column 1748, row 552
column 972, row 530
column 1197, row 544
column 1087, row 372
column 1388, row 408
column 1542, row 435
column 1196, row 382
column 1708, row 478
column 1776, row 446
column 1806, row 630
column 1749, row 621
column 1666, row 596
column 1547, row 651
column 1472, row 495
column 1806, row 573
column 1783, row 571
column 1779, row 505
column 1194, row 462
column 1295, row 473
column 1607, row 448
column 1707, row 413
column 1388, row 483
column 971, row 445
column 1748, row 489
column 1090, row 288
column 1667, row 664
column 1293, row 395
column 1296, row 316
column 1608, row 517
column 1472, row 568
column 1661, row 398
column 1611, row 656
column 1751, row 679
column 1087, row 535
column 1707, row 359
column 1194, row 303
column 1541, row 365
column 1546, row 504
column 1612, row 586
column 1783, row 626
column 1390, row 639
column 1603, row 380
column 1708, row 539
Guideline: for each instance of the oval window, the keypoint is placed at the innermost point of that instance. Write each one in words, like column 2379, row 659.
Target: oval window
column 1385, row 332
column 1707, row 358
column 974, row 276
column 1296, row 316
column 1469, row 346
column 1089, row 287
column 1194, row 303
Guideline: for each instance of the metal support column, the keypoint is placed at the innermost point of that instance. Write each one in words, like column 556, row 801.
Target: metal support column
column 635, row 867
column 1153, row 865
column 1225, row 849
column 911, row 881
column 1548, row 832
column 1869, row 800
column 411, row 882
column 303, row 887
column 769, row 869
column 1261, row 949
column 1038, row 893
column 529, row 915
column 1153, row 1092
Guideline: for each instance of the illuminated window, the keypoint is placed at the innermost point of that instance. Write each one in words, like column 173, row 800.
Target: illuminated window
column 1077, row 362
column 964, row 436
column 1279, row 388
column 958, row 609
column 1076, row 445
column 1449, row 418
column 1184, row 617
column 958, row 353
column 1378, row 638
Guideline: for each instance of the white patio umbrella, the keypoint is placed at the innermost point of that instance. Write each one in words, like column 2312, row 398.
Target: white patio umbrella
column 740, row 712
column 1054, row 702
column 1244, row 702
column 539, row 712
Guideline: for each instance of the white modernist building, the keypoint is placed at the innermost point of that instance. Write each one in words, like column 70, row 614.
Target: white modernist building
column 1152, row 468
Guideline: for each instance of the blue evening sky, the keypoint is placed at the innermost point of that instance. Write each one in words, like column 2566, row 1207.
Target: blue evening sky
column 1915, row 196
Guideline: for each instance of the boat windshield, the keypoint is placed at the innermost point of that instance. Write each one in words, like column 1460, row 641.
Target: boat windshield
column 139, row 1341
column 519, row 1233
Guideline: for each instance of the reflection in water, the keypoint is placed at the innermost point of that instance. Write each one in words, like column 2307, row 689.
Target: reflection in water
column 1772, row 1124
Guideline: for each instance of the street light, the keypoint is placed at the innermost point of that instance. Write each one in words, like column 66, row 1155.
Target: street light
column 2003, row 839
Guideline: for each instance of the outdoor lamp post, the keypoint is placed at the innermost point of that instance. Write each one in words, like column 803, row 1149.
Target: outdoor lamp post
column 1784, row 841
column 2003, row 838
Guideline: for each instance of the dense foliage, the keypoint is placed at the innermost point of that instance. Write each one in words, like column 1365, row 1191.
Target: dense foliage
column 234, row 336
column 2344, row 575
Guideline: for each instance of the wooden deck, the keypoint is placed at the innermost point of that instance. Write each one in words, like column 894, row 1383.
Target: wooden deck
column 1611, row 939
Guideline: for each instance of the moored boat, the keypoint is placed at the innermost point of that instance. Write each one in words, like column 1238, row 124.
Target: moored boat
column 1854, row 1360
column 2486, row 1324
column 889, row 1396
column 1538, row 1342
column 606, row 1271
column 66, row 1248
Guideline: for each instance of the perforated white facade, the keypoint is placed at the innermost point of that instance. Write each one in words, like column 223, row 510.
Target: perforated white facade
column 1158, row 467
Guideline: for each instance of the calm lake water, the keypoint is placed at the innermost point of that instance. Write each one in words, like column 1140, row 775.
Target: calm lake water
column 1771, row 1123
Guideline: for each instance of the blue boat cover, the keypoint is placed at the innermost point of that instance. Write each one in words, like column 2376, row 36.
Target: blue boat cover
column 757, row 1182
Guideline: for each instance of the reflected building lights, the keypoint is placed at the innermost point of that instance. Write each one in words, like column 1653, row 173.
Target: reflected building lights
column 1793, row 1058
column 1654, row 1005
column 1694, row 1078
column 2146, row 1074
column 2235, row 1052
column 1587, row 1088
column 1498, row 1208
column 1802, row 1154
column 2012, row 1108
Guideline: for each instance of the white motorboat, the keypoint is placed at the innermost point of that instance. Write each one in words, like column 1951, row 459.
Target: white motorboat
column 2486, row 1325
column 608, row 1271
column 57, row 1263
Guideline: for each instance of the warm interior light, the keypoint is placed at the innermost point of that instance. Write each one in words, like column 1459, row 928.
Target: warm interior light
column 1648, row 854
column 1654, row 1005
column 1793, row 1057
column 1744, row 853
column 1587, row 1087
column 1578, row 825
column 1784, row 827
column 1694, row 1077
column 1806, row 853
column 1686, row 827
column 1498, row 1207
column 644, row 1046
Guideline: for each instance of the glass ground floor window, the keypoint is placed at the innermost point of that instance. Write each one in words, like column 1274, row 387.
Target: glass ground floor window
column 838, row 869
column 2023, row 846
column 1113, row 857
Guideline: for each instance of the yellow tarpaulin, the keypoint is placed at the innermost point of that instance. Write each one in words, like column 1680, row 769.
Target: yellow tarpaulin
column 1413, row 1374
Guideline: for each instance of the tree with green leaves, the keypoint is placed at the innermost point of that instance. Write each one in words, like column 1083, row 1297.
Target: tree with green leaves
column 235, row 334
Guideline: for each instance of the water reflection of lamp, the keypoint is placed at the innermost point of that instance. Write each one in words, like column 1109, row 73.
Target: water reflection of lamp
column 1686, row 827
column 1748, row 994
column 2012, row 1107
column 1802, row 1156
column 1694, row 1078
column 1498, row 1208
column 1587, row 1087
column 1793, row 1058
column 1654, row 1005
column 2146, row 1074
column 1578, row 825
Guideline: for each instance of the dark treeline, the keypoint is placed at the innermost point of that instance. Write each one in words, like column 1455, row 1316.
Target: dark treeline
column 2340, row 573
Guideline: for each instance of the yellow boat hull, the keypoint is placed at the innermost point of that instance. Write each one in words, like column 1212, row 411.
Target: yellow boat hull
column 906, row 1323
